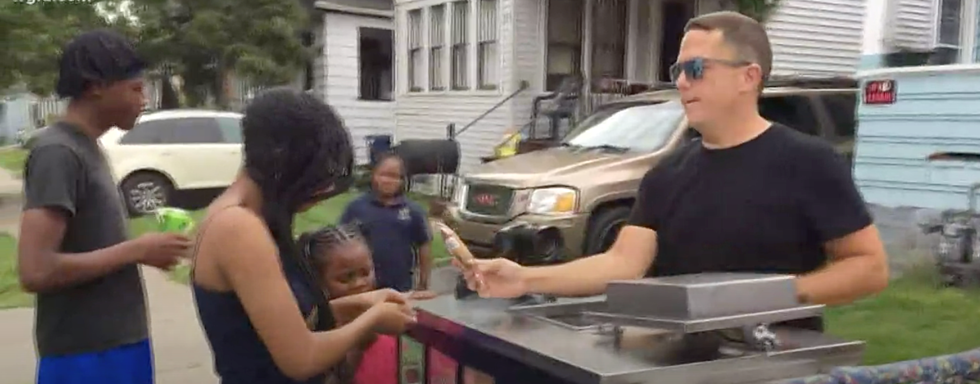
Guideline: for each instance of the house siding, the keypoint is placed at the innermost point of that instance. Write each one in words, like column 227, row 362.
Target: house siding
column 819, row 37
column 425, row 115
column 937, row 111
column 340, row 78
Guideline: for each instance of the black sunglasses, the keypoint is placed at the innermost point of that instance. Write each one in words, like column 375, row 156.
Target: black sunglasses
column 694, row 68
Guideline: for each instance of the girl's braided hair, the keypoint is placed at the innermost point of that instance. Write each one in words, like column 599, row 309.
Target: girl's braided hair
column 296, row 150
column 316, row 245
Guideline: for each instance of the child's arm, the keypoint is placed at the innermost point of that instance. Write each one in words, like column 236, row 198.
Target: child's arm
column 422, row 240
column 349, row 214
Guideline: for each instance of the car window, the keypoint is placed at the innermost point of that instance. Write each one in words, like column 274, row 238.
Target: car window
column 842, row 107
column 638, row 128
column 792, row 111
column 195, row 130
column 149, row 132
column 231, row 129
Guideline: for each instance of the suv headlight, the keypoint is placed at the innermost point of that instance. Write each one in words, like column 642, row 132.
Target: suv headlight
column 553, row 201
column 460, row 194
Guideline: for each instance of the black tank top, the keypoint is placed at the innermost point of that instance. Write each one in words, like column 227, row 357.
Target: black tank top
column 240, row 357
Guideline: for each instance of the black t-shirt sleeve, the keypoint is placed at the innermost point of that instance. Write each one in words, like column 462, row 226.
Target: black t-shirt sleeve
column 644, row 213
column 51, row 178
column 832, row 204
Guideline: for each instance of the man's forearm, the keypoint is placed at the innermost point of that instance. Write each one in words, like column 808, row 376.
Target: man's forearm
column 583, row 277
column 68, row 269
column 843, row 281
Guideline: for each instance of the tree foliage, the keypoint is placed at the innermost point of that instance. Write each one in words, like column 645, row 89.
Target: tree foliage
column 32, row 36
column 760, row 10
column 204, row 41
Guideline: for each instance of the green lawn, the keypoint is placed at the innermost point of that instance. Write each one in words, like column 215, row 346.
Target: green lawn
column 325, row 213
column 13, row 159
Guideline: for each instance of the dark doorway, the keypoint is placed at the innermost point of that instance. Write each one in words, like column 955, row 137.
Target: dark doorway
column 375, row 56
column 675, row 17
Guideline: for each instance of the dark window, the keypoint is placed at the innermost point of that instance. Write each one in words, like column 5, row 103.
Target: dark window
column 792, row 111
column 150, row 132
column 196, row 130
column 841, row 108
column 564, row 41
column 375, row 63
column 231, row 129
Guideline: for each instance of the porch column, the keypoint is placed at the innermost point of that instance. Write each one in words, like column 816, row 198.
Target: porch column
column 631, row 41
column 587, row 48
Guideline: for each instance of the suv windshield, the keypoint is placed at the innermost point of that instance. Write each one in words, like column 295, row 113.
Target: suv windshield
column 643, row 128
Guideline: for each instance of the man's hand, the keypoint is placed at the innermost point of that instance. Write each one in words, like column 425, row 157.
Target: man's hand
column 348, row 308
column 494, row 278
column 163, row 250
column 422, row 295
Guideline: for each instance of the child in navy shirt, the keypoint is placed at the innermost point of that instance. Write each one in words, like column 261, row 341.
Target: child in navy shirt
column 395, row 228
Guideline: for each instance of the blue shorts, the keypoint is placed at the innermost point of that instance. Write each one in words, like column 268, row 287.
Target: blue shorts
column 128, row 364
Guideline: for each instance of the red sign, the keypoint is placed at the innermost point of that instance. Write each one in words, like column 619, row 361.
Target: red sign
column 485, row 199
column 880, row 92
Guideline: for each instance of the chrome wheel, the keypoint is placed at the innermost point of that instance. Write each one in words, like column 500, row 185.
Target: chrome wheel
column 147, row 196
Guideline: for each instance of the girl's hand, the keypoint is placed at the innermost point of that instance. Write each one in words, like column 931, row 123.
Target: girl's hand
column 347, row 308
column 422, row 295
column 391, row 318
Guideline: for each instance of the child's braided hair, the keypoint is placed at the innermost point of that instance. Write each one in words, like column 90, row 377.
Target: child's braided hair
column 317, row 244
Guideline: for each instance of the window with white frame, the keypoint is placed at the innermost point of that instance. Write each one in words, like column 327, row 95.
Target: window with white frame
column 437, row 43
column 488, row 61
column 459, row 25
column 956, row 32
column 415, row 62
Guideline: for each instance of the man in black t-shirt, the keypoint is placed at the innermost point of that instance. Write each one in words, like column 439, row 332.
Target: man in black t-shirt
column 748, row 196
column 91, row 323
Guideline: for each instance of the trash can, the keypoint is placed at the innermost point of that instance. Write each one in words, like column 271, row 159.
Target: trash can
column 376, row 145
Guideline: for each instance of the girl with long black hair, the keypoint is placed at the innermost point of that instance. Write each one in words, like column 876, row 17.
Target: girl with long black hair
column 265, row 314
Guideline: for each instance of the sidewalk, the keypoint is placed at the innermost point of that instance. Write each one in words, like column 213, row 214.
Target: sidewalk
column 181, row 353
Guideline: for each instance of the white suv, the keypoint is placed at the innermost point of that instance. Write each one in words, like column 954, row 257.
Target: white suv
column 174, row 150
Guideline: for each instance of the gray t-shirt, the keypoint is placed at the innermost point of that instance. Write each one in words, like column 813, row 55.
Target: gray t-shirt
column 67, row 171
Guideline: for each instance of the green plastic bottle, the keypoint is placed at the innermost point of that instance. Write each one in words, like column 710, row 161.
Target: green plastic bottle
column 174, row 220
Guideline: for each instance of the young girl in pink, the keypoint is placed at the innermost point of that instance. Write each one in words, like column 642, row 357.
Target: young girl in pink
column 343, row 261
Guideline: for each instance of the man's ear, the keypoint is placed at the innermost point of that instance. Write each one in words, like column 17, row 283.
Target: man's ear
column 752, row 78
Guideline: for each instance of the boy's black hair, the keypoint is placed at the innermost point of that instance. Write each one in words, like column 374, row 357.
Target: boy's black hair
column 391, row 155
column 295, row 148
column 100, row 56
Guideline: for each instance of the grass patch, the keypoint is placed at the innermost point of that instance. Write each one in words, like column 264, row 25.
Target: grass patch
column 13, row 160
column 11, row 296
column 912, row 319
column 325, row 213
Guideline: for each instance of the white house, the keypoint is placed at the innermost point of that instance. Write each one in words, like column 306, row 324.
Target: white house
column 457, row 59
column 354, row 72
column 936, row 31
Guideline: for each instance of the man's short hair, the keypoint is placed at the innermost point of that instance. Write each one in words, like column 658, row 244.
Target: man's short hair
column 94, row 57
column 747, row 37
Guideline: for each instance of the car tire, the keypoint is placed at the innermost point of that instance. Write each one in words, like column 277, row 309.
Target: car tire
column 603, row 228
column 144, row 192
